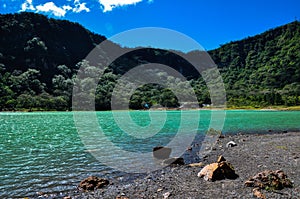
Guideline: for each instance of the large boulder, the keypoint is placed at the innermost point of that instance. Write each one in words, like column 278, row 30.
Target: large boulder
column 210, row 172
column 91, row 183
column 161, row 152
column 218, row 170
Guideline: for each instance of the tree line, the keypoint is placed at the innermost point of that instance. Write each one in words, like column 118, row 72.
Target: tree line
column 40, row 58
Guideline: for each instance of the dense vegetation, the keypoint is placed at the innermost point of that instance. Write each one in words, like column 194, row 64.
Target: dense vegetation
column 262, row 70
column 40, row 57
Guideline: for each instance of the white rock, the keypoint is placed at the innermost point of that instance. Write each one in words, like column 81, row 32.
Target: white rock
column 166, row 195
column 231, row 144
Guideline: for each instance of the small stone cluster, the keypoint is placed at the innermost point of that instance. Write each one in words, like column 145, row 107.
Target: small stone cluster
column 269, row 180
column 91, row 183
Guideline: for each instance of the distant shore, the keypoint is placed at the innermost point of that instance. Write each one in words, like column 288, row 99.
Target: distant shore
column 254, row 153
column 271, row 108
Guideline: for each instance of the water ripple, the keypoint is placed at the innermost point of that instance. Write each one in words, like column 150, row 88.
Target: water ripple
column 42, row 152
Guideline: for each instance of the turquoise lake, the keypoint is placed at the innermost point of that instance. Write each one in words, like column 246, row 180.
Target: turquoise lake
column 45, row 152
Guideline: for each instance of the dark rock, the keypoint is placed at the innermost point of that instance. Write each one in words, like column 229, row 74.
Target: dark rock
column 189, row 148
column 91, row 183
column 221, row 159
column 227, row 170
column 174, row 161
column 161, row 152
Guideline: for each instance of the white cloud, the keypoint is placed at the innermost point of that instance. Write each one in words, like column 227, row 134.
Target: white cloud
column 66, row 8
column 52, row 8
column 4, row 5
column 27, row 5
column 111, row 4
column 79, row 7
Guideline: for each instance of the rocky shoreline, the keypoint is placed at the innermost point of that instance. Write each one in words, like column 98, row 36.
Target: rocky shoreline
column 254, row 153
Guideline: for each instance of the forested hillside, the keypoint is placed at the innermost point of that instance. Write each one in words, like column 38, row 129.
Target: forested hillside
column 262, row 70
column 40, row 57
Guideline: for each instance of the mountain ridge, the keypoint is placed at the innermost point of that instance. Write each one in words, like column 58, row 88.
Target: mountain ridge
column 40, row 56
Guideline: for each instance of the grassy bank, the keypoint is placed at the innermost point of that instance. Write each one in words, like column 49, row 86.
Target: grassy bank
column 276, row 108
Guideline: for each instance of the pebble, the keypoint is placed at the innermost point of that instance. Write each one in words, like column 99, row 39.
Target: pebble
column 200, row 164
column 231, row 144
column 149, row 177
column 181, row 182
column 121, row 197
column 166, row 195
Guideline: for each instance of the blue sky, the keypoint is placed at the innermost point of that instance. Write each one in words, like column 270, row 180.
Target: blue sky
column 211, row 23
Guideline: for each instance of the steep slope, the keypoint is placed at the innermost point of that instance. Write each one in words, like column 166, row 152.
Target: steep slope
column 34, row 41
column 39, row 58
column 264, row 69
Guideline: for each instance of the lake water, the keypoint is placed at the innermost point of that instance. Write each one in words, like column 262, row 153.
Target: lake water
column 45, row 152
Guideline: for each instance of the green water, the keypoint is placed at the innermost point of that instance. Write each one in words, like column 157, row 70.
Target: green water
column 43, row 152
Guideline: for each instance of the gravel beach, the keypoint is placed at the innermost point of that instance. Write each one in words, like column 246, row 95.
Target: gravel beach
column 254, row 153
